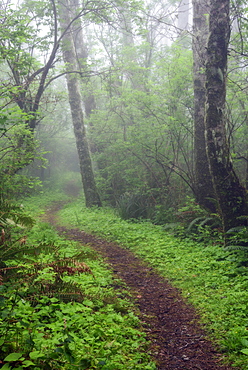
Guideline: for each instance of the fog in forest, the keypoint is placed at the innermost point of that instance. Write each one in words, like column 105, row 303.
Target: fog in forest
column 110, row 95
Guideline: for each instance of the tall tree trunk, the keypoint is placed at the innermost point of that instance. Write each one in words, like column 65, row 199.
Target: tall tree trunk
column 231, row 196
column 134, row 73
column 69, row 55
column 204, row 190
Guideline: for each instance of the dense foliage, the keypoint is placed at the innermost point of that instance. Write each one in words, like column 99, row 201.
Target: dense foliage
column 59, row 308
column 136, row 77
column 213, row 278
column 134, row 74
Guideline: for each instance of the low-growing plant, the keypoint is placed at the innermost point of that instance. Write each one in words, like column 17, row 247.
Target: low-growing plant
column 163, row 215
column 132, row 206
column 238, row 236
column 189, row 212
column 59, row 310
column 14, row 223
column 208, row 275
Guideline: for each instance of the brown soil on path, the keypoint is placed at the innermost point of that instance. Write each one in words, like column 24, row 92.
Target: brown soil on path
column 177, row 339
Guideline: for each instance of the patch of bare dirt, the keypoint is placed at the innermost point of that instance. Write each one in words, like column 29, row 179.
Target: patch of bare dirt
column 177, row 339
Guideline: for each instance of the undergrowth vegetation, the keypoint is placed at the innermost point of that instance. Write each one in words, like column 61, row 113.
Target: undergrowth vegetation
column 211, row 276
column 60, row 307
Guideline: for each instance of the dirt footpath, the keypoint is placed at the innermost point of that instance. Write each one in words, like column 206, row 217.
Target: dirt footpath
column 177, row 339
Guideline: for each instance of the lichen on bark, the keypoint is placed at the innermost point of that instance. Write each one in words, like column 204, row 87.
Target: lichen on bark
column 231, row 196
column 203, row 186
column 69, row 55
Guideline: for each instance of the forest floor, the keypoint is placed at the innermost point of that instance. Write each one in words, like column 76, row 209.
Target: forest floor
column 178, row 340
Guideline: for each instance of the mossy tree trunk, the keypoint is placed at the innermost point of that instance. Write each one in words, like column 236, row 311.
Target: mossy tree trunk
column 70, row 59
column 203, row 186
column 231, row 196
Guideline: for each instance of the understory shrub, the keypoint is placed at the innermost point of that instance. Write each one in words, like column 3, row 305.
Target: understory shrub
column 132, row 205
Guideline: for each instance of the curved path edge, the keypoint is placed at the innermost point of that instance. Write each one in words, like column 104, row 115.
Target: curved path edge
column 178, row 341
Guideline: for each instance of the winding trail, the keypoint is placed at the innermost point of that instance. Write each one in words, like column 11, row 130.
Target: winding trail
column 177, row 339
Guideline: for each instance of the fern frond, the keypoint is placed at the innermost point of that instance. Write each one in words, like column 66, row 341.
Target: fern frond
column 201, row 222
column 207, row 219
column 9, row 251
column 71, row 266
column 237, row 229
column 243, row 217
column 194, row 223
column 236, row 248
column 64, row 291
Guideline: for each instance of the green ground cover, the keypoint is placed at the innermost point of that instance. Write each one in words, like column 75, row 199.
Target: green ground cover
column 60, row 309
column 208, row 275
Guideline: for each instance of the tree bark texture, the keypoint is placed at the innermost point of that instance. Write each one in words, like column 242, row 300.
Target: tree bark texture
column 69, row 55
column 231, row 196
column 204, row 190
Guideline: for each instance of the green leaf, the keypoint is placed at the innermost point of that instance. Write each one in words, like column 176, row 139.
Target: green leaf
column 87, row 302
column 245, row 351
column 27, row 363
column 13, row 357
column 35, row 354
column 6, row 367
column 244, row 341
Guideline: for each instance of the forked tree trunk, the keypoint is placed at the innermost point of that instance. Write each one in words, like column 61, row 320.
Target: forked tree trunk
column 203, row 187
column 231, row 196
column 69, row 55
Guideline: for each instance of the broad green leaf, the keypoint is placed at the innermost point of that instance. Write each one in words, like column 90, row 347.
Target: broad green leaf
column 87, row 302
column 13, row 357
column 35, row 354
column 244, row 342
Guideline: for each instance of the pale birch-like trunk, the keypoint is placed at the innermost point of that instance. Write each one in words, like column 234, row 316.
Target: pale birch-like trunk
column 203, row 187
column 133, row 73
column 231, row 196
column 69, row 55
